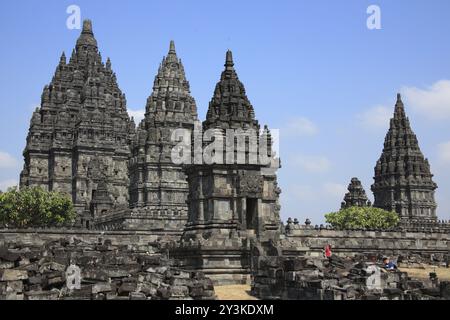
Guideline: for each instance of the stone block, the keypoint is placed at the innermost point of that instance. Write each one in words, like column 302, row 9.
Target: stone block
column 6, row 265
column 154, row 278
column 434, row 292
column 147, row 288
column 196, row 291
column 56, row 278
column 163, row 293
column 51, row 266
column 2, row 288
column 137, row 296
column 179, row 291
column 126, row 288
column 175, row 281
column 14, row 286
column 14, row 296
column 122, row 271
column 294, row 264
column 101, row 287
column 35, row 280
column 149, row 260
column 42, row 295
column 12, row 275
column 445, row 290
column 89, row 275
column 7, row 255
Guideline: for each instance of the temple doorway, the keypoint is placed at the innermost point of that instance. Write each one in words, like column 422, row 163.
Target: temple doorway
column 251, row 213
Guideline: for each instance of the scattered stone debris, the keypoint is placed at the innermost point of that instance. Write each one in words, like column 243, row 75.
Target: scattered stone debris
column 336, row 278
column 105, row 272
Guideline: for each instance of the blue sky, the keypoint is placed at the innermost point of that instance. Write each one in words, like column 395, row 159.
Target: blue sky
column 311, row 68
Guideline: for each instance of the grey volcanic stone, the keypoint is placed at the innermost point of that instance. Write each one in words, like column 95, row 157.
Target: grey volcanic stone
column 13, row 275
column 78, row 140
column 356, row 195
column 106, row 278
column 403, row 179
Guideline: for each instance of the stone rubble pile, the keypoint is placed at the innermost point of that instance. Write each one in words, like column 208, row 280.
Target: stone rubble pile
column 106, row 272
column 308, row 278
column 418, row 260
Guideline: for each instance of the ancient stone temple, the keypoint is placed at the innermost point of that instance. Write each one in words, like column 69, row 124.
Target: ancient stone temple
column 356, row 195
column 79, row 136
column 158, row 186
column 232, row 200
column 403, row 180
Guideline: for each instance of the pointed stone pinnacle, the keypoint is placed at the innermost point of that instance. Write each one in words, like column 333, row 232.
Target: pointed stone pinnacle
column 87, row 36
column 63, row 59
column 172, row 47
column 229, row 60
column 399, row 107
column 87, row 27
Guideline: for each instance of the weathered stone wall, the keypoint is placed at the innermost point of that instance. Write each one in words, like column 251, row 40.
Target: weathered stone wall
column 41, row 236
column 351, row 242
column 70, row 268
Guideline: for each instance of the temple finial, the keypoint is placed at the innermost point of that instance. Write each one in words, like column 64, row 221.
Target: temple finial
column 229, row 60
column 172, row 47
column 87, row 36
column 63, row 59
column 87, row 27
column 399, row 107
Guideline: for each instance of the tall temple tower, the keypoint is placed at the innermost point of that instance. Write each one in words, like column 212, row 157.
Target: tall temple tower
column 232, row 199
column 356, row 195
column 403, row 180
column 158, row 186
column 79, row 136
column 229, row 195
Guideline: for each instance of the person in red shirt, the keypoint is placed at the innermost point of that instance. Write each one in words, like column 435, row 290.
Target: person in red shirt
column 328, row 251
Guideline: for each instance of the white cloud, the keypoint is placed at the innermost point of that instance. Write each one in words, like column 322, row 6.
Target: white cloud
column 301, row 192
column 432, row 102
column 5, row 184
column 300, row 127
column 138, row 115
column 444, row 152
column 334, row 190
column 313, row 164
column 7, row 161
column 328, row 192
column 376, row 118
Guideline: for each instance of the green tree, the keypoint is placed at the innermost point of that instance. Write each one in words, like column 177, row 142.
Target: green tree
column 362, row 217
column 35, row 207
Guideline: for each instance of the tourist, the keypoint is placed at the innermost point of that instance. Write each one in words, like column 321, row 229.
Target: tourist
column 327, row 251
column 388, row 264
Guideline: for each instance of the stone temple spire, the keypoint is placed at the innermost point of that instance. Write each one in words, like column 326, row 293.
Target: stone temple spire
column 158, row 189
column 399, row 112
column 171, row 97
column 86, row 38
column 356, row 196
column 82, row 117
column 229, row 64
column 172, row 47
column 233, row 200
column 403, row 179
column 230, row 107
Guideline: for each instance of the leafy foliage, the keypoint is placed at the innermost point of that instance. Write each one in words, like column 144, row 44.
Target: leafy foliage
column 362, row 217
column 35, row 207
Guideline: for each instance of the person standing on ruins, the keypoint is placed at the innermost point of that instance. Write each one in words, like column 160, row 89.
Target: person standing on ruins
column 327, row 251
